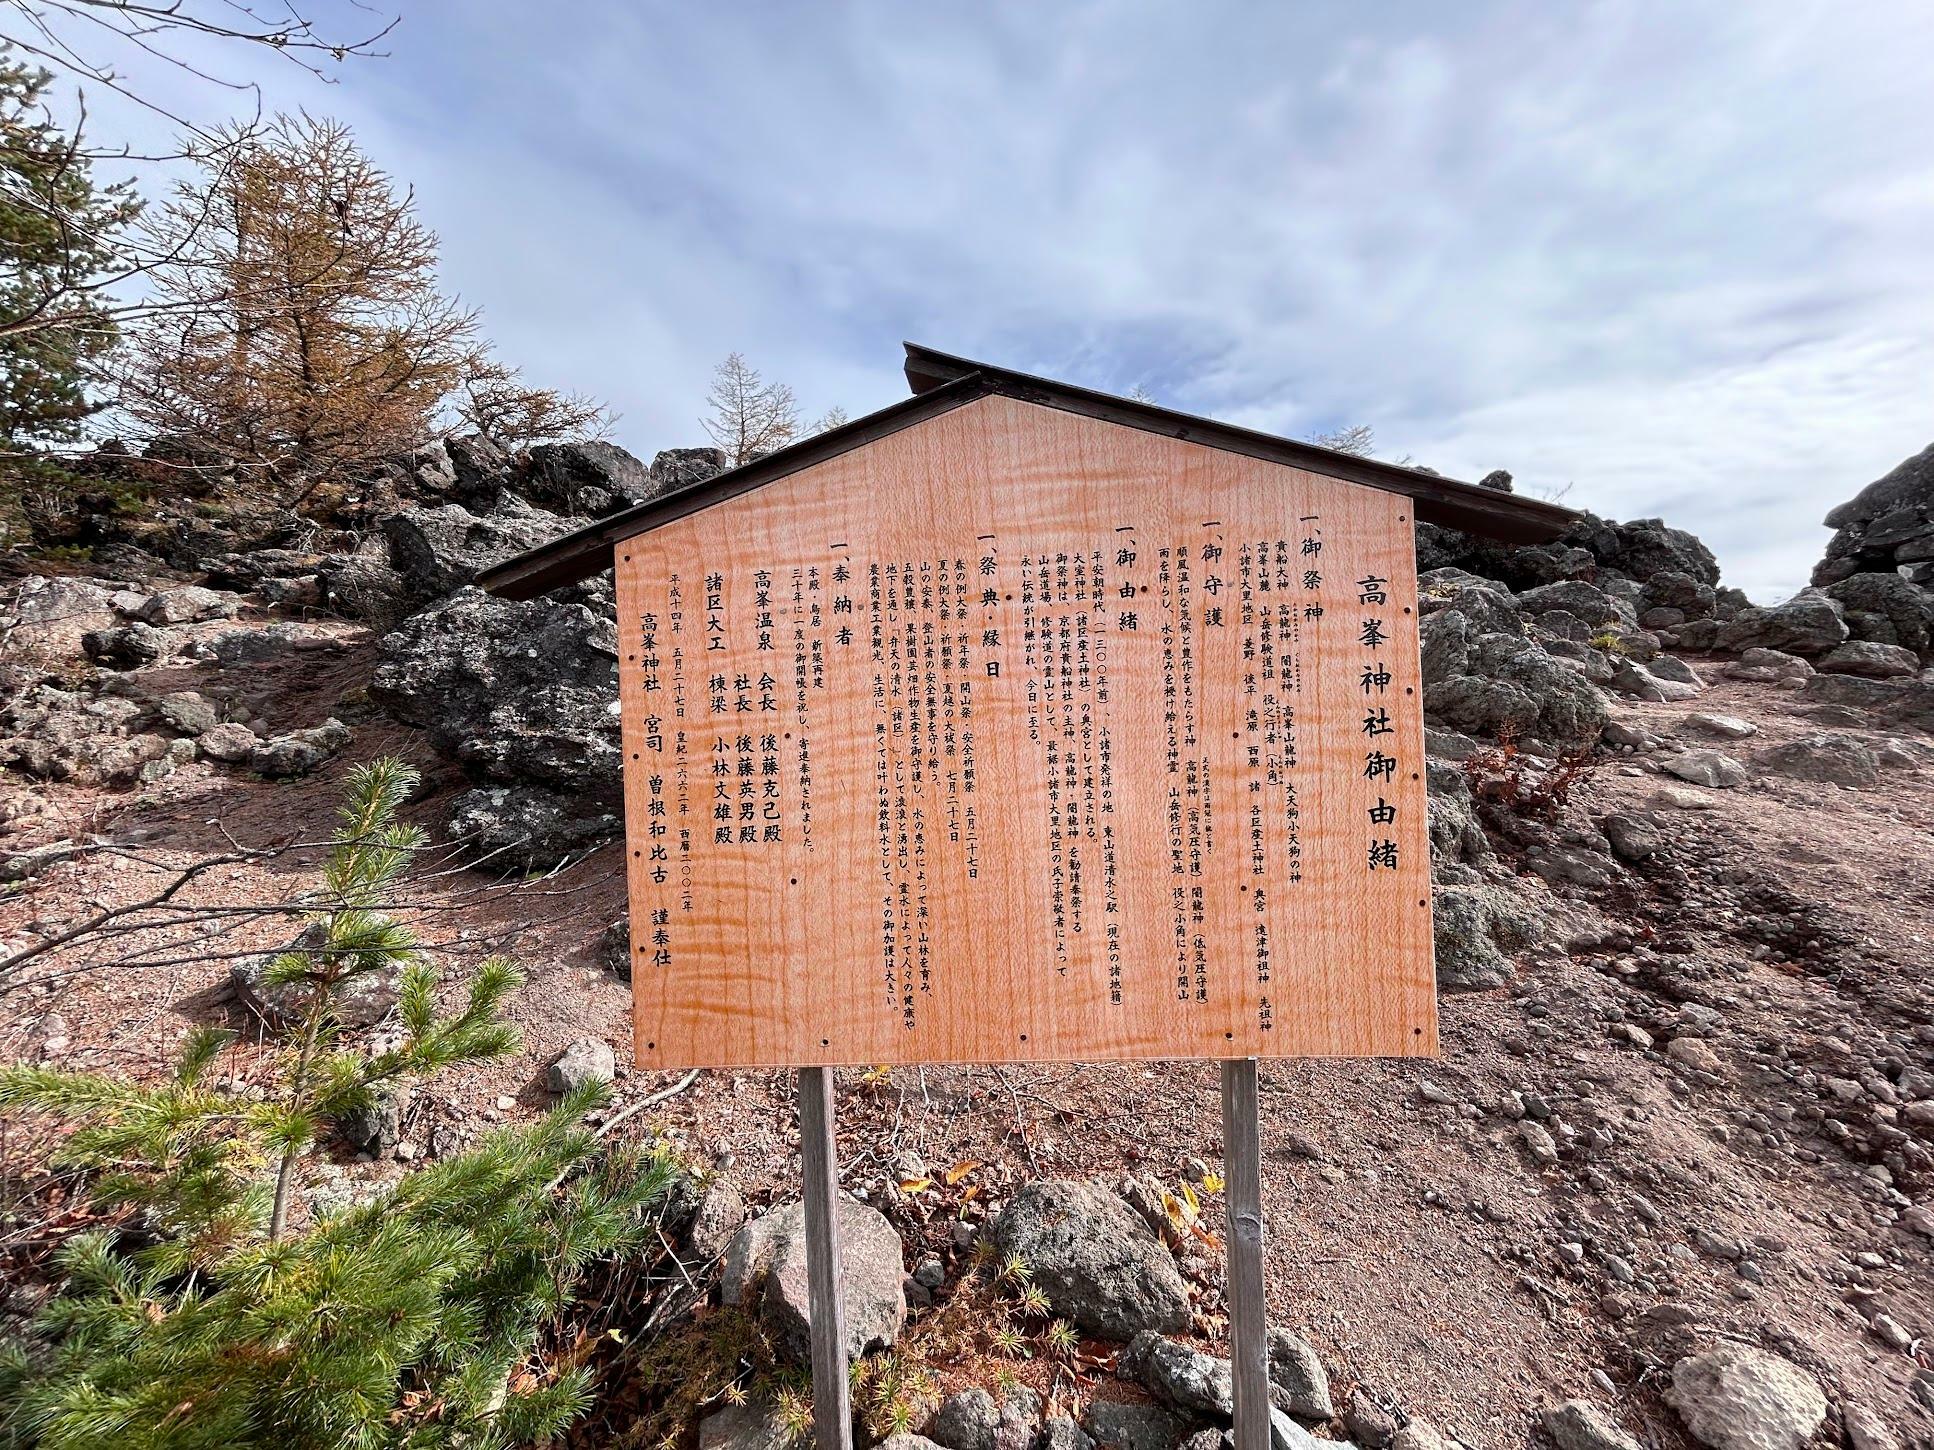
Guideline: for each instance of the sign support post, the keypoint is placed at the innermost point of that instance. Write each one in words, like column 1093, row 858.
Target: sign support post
column 819, row 1157
column 1248, row 1316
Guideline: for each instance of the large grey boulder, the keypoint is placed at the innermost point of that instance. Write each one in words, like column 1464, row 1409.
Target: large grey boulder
column 438, row 550
column 1298, row 1383
column 1737, row 1397
column 1809, row 624
column 1455, row 831
column 1574, row 596
column 1488, row 605
column 1473, row 927
column 479, row 470
column 1642, row 548
column 592, row 478
column 523, row 693
column 1870, row 658
column 1670, row 589
column 1445, row 638
column 765, row 1270
column 1098, row 1262
column 1830, row 759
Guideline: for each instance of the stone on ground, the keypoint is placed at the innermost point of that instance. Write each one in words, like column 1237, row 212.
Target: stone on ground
column 1726, row 727
column 1808, row 624
column 1581, row 1425
column 229, row 741
column 1830, row 759
column 587, row 1060
column 1098, row 1263
column 1117, row 1425
column 755, row 1425
column 1709, row 768
column 1179, row 1375
column 189, row 605
column 1298, row 1383
column 1737, row 1397
column 765, row 1269
column 364, row 999
column 300, row 751
column 966, row 1421
column 1870, row 658
column 187, row 712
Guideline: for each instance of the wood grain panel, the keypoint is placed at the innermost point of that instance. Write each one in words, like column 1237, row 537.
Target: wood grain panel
column 1016, row 736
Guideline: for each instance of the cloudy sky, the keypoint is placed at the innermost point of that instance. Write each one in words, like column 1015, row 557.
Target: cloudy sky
column 1655, row 258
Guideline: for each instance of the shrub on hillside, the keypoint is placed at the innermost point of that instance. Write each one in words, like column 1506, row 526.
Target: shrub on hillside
column 201, row 1319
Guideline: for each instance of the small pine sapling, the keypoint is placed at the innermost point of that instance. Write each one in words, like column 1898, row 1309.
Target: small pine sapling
column 412, row 1320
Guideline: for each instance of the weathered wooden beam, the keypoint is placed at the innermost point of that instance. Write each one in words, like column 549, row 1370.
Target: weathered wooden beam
column 1248, row 1314
column 832, row 1407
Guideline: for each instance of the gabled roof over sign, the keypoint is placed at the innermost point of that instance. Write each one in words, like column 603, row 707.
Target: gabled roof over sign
column 942, row 382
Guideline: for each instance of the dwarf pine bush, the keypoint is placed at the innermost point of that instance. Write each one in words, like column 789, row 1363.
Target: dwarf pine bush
column 413, row 1320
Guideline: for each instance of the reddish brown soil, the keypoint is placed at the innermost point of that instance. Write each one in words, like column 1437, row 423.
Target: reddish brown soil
column 1414, row 1243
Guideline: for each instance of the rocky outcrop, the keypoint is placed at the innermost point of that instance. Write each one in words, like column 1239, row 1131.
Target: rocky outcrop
column 1509, row 686
column 1593, row 549
column 522, row 694
column 1885, row 528
column 437, row 551
column 589, row 479
column 1886, row 608
column 676, row 468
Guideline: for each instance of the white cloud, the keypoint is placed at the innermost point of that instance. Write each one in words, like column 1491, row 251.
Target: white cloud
column 1674, row 257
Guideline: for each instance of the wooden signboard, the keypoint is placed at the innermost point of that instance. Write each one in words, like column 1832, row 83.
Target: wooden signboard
column 1018, row 734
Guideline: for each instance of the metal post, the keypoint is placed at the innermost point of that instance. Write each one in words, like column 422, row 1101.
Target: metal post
column 832, row 1408
column 1248, row 1317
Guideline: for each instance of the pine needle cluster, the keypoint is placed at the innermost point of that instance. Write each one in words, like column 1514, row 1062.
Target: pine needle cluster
column 413, row 1320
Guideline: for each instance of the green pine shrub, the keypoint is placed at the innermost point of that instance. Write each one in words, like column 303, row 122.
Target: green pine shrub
column 204, row 1318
